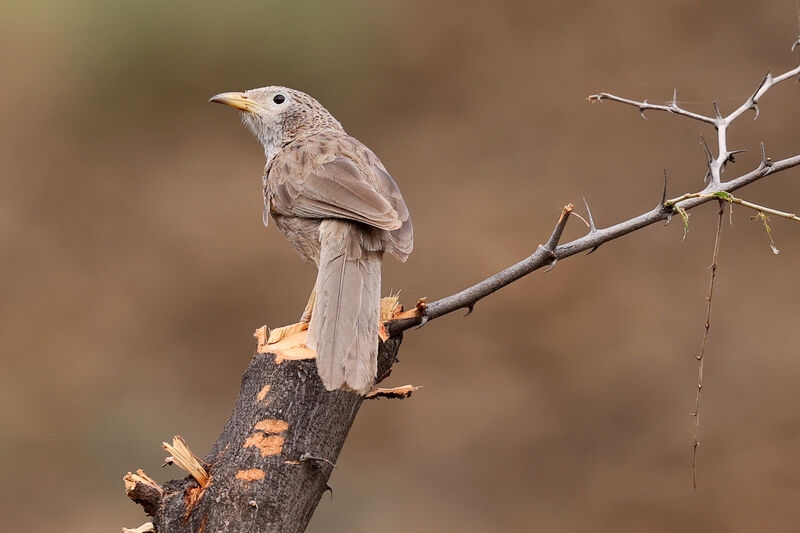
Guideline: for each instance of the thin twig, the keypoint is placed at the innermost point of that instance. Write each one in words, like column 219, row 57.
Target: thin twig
column 763, row 209
column 722, row 195
column 701, row 356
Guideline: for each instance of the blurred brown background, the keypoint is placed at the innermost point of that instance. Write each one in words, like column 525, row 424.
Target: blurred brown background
column 135, row 266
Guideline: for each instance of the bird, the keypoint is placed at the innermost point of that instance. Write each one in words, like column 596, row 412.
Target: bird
column 340, row 209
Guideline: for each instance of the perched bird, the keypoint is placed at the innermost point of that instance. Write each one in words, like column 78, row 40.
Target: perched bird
column 337, row 206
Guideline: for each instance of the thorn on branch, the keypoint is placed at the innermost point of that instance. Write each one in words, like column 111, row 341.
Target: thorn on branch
column 767, row 78
column 765, row 161
column 306, row 457
column 664, row 192
column 552, row 265
column 716, row 110
column 709, row 158
column 470, row 309
column 592, row 227
column 707, row 150
column 733, row 153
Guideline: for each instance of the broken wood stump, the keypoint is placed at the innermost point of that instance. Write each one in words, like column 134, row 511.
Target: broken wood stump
column 270, row 465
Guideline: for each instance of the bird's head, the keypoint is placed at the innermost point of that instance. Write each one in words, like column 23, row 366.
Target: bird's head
column 278, row 115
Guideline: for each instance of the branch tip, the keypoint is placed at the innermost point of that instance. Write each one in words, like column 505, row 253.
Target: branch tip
column 560, row 225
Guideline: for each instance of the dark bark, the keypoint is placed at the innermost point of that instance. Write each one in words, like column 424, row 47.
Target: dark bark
column 277, row 442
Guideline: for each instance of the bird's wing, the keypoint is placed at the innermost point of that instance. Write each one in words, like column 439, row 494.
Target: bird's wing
column 335, row 189
column 401, row 240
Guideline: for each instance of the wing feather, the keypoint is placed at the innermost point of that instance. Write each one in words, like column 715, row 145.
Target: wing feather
column 335, row 189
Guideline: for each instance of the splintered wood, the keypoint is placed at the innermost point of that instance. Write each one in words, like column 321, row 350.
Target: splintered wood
column 182, row 456
column 397, row 392
column 143, row 490
column 147, row 527
column 132, row 480
column 289, row 342
column 391, row 309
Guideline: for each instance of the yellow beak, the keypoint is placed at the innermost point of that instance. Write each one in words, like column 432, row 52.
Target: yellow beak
column 238, row 101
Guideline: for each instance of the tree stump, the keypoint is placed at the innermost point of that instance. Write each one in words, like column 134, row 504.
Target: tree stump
column 270, row 465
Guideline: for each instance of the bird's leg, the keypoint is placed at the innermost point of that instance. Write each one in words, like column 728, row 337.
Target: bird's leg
column 309, row 306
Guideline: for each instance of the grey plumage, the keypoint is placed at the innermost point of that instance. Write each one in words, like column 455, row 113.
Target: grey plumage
column 337, row 206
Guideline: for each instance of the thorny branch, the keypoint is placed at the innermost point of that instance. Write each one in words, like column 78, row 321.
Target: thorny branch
column 701, row 355
column 544, row 256
column 721, row 123
column 549, row 254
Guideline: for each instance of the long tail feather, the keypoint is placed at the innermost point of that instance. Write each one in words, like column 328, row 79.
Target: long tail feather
column 344, row 322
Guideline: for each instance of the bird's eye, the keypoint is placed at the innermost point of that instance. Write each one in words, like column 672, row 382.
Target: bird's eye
column 279, row 99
